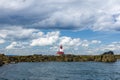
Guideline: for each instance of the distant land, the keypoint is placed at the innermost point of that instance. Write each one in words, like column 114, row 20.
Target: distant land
column 105, row 57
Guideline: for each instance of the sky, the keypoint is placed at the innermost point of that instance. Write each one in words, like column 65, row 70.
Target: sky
column 83, row 27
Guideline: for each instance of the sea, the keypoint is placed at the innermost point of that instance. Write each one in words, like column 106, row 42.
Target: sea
column 61, row 71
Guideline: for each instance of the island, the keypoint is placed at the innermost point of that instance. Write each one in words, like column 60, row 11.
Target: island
column 105, row 57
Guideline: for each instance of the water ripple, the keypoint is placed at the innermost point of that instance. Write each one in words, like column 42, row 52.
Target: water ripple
column 61, row 71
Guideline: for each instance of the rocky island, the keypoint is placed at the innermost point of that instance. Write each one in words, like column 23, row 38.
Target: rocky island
column 105, row 57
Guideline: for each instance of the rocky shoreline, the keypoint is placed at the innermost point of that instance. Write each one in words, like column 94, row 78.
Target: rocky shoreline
column 105, row 57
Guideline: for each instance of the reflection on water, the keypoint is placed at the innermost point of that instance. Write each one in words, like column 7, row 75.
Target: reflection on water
column 61, row 71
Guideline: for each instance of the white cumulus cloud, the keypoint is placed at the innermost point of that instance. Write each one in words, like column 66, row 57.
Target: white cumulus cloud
column 68, row 41
column 17, row 45
column 48, row 39
column 95, row 41
column 12, row 45
column 18, row 33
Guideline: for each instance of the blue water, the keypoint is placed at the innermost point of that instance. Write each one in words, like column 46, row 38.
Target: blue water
column 61, row 71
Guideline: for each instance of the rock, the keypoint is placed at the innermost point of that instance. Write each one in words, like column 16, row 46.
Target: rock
column 1, row 63
column 109, row 52
column 108, row 57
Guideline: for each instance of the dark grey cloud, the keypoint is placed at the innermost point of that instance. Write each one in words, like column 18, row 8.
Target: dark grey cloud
column 96, row 15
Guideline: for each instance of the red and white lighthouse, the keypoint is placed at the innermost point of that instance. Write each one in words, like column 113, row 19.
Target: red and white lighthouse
column 60, row 52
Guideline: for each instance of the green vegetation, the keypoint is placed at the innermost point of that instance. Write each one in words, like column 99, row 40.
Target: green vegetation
column 105, row 57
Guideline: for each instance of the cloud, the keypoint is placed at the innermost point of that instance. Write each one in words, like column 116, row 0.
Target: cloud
column 68, row 19
column 64, row 14
column 15, row 4
column 95, row 41
column 101, row 48
column 22, row 20
column 114, row 46
column 68, row 41
column 17, row 45
column 18, row 33
column 12, row 45
column 54, row 38
column 48, row 42
column 85, row 43
column 22, row 38
column 2, row 41
column 49, row 39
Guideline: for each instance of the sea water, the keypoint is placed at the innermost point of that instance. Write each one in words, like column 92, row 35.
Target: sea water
column 61, row 71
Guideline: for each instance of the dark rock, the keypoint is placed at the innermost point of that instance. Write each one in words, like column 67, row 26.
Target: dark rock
column 1, row 63
column 108, row 57
column 109, row 52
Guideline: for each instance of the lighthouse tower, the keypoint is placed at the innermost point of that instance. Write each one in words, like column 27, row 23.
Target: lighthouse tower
column 60, row 52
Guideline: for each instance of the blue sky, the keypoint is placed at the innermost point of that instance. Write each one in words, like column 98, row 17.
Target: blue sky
column 38, row 27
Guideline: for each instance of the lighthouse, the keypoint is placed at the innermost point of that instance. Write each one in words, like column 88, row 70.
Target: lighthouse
column 60, row 52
